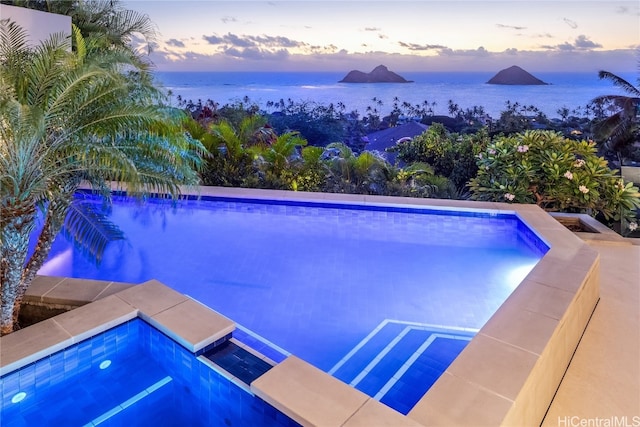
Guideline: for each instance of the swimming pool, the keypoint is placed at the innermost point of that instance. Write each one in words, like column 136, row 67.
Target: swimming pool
column 348, row 288
column 130, row 375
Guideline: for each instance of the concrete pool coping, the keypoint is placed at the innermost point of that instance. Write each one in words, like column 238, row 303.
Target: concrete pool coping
column 507, row 375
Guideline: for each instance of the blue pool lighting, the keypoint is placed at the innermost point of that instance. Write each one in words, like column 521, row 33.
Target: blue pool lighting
column 321, row 280
column 18, row 397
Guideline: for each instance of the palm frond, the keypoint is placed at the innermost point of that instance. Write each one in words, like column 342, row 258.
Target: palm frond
column 90, row 229
column 620, row 82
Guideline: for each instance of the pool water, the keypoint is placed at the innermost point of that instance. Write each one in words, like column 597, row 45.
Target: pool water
column 131, row 375
column 318, row 280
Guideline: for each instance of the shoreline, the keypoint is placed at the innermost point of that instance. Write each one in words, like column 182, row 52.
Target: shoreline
column 573, row 91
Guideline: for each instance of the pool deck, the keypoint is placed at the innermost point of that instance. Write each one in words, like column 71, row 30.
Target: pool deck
column 603, row 379
column 505, row 379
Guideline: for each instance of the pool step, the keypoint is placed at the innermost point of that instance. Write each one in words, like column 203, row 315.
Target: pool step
column 399, row 361
column 237, row 361
column 116, row 410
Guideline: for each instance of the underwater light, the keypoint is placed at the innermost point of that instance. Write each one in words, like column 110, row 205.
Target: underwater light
column 517, row 274
column 105, row 364
column 19, row 397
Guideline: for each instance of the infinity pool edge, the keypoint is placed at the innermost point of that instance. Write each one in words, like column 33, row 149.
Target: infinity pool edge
column 507, row 375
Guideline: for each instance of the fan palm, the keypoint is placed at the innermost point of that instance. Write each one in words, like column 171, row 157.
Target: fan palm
column 68, row 118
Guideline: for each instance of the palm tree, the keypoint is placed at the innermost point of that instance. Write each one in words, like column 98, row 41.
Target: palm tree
column 68, row 118
column 620, row 129
column 366, row 173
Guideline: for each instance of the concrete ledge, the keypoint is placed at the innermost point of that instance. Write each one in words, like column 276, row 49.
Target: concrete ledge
column 89, row 320
column 28, row 345
column 374, row 413
column 598, row 232
column 308, row 395
column 66, row 291
column 192, row 325
column 151, row 298
column 189, row 323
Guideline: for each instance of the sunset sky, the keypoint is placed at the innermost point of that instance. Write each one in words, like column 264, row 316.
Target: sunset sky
column 423, row 35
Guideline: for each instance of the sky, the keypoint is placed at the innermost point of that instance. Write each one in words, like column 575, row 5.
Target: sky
column 420, row 35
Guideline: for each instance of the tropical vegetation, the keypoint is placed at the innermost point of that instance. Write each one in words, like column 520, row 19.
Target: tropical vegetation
column 72, row 117
column 620, row 130
column 556, row 173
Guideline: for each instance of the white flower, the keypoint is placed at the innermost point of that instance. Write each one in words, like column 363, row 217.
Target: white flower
column 633, row 226
column 491, row 151
column 579, row 163
column 523, row 148
column 509, row 196
column 583, row 189
column 568, row 175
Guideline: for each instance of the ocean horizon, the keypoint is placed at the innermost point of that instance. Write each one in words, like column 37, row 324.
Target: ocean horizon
column 466, row 89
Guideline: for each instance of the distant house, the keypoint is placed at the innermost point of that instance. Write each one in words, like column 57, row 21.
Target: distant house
column 38, row 25
column 383, row 139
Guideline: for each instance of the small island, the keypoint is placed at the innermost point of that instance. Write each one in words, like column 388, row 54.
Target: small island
column 515, row 75
column 380, row 74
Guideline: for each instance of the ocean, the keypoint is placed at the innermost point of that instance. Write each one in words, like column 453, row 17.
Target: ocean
column 467, row 89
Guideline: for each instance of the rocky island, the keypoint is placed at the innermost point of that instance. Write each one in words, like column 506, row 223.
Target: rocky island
column 380, row 74
column 515, row 76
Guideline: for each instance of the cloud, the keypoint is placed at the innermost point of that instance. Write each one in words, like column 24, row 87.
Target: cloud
column 213, row 39
column 342, row 61
column 513, row 27
column 373, row 29
column 227, row 19
column 542, row 36
column 624, row 10
column 239, row 41
column 257, row 54
column 569, row 22
column 276, row 41
column 421, row 47
column 562, row 46
column 581, row 43
column 175, row 43
column 245, row 41
column 480, row 52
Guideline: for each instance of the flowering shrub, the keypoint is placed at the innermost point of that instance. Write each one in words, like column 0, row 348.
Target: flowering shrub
column 556, row 173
